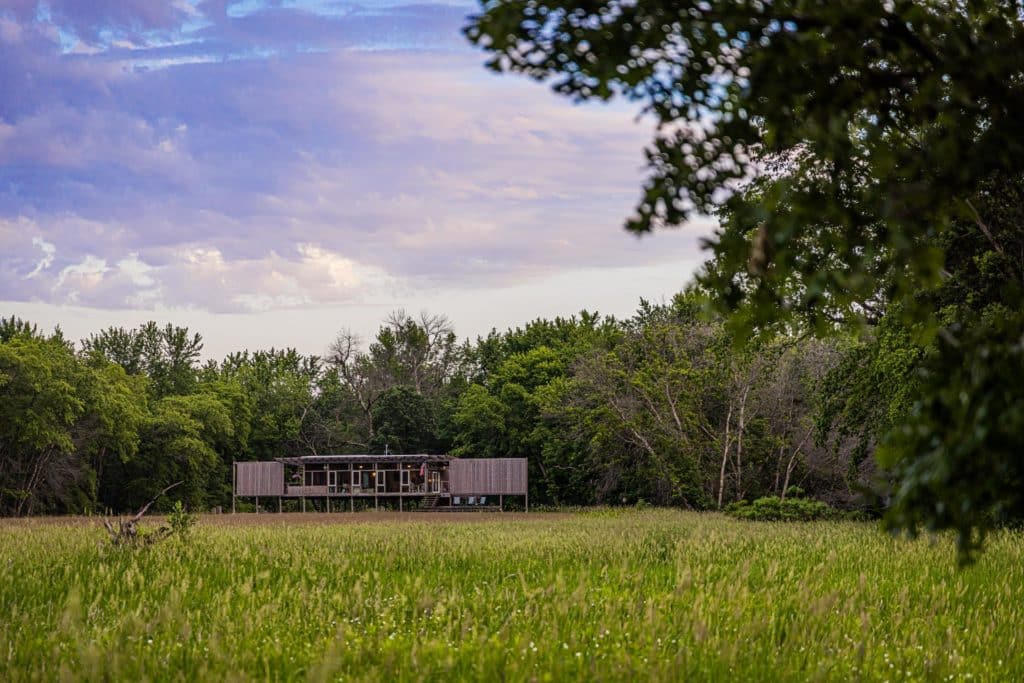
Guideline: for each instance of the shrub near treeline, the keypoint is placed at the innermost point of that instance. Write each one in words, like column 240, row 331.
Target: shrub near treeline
column 775, row 509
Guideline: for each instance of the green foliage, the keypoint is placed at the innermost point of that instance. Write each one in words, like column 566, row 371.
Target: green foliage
column 775, row 509
column 271, row 394
column 653, row 393
column 872, row 388
column 60, row 419
column 166, row 355
column 516, row 409
column 480, row 423
column 117, row 407
column 38, row 379
column 180, row 520
column 405, row 422
column 16, row 327
column 956, row 460
column 39, row 406
column 876, row 121
column 179, row 442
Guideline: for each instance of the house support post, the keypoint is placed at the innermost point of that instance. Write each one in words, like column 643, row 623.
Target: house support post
column 234, row 476
column 303, row 503
column 257, row 505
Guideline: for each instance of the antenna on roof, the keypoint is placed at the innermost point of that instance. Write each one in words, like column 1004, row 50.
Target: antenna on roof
column 385, row 449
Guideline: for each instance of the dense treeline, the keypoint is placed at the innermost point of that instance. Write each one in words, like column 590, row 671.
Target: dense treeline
column 661, row 407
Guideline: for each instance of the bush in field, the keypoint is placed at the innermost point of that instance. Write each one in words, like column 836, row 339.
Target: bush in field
column 180, row 519
column 775, row 509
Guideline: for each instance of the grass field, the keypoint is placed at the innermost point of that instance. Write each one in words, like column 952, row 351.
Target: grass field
column 606, row 595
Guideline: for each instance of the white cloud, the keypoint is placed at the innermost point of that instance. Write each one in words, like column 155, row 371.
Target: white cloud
column 137, row 271
column 312, row 276
column 84, row 277
column 49, row 250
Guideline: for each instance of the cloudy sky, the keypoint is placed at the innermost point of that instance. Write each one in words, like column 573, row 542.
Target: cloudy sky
column 270, row 172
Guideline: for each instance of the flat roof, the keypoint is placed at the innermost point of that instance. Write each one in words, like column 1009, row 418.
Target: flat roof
column 327, row 459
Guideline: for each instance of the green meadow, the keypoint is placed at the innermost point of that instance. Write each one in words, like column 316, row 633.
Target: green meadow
column 602, row 595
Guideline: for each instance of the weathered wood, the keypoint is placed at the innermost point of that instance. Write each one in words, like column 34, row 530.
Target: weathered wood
column 461, row 477
column 259, row 479
column 306, row 491
column 487, row 476
column 127, row 532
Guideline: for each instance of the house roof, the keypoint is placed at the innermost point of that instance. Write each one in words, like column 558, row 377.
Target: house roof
column 364, row 458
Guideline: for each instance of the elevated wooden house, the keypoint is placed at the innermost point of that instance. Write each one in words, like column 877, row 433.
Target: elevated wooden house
column 434, row 482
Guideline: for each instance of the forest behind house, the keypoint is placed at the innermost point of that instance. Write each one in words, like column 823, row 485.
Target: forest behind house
column 661, row 408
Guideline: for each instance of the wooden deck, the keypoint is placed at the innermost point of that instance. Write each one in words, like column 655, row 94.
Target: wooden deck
column 324, row 492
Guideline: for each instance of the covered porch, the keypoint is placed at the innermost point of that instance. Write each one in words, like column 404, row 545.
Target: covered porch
column 363, row 476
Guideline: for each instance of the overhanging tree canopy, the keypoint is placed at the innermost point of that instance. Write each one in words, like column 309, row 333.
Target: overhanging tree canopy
column 839, row 142
column 884, row 115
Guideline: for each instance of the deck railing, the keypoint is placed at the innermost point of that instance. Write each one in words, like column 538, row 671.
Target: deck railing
column 343, row 489
column 306, row 491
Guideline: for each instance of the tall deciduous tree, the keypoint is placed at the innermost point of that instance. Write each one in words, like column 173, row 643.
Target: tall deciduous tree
column 61, row 420
column 168, row 355
column 405, row 421
column 420, row 354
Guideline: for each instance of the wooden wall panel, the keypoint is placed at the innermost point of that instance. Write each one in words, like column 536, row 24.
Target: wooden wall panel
column 487, row 476
column 259, row 479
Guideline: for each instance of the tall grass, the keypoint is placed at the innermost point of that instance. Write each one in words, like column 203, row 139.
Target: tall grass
column 647, row 596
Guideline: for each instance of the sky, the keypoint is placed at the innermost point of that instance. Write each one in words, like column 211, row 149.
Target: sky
column 269, row 173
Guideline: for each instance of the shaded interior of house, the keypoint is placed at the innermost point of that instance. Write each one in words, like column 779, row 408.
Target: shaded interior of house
column 420, row 481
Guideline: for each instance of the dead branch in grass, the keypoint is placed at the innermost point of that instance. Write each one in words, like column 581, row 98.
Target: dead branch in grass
column 126, row 532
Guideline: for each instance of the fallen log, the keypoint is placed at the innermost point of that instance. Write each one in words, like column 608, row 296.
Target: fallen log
column 126, row 532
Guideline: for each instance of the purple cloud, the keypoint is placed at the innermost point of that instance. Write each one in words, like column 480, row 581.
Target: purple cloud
column 248, row 157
